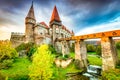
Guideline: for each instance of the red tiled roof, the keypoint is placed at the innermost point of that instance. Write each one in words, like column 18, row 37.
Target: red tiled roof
column 55, row 15
column 43, row 23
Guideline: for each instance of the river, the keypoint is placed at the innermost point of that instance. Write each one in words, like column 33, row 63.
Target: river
column 93, row 73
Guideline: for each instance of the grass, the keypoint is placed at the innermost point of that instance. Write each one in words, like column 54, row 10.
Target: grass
column 18, row 69
column 94, row 60
column 21, row 65
column 72, row 55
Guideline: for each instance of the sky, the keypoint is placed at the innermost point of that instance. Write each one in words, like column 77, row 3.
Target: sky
column 81, row 16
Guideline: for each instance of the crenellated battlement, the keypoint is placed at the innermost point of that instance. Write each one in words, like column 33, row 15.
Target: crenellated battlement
column 17, row 33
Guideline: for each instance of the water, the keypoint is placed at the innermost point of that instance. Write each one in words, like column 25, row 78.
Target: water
column 93, row 73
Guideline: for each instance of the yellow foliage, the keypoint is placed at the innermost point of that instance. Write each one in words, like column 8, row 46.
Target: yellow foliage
column 6, row 51
column 42, row 63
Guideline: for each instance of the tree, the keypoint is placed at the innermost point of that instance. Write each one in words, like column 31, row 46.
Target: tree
column 91, row 48
column 6, row 51
column 52, row 49
column 41, row 65
column 98, row 50
column 32, row 50
column 118, row 45
column 29, row 47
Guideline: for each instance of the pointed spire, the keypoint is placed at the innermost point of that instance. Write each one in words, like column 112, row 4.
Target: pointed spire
column 72, row 32
column 55, row 15
column 31, row 12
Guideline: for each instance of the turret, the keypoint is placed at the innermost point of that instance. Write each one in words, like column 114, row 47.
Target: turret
column 55, row 24
column 55, row 19
column 30, row 21
column 73, row 33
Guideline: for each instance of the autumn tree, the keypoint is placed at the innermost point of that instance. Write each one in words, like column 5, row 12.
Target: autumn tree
column 41, row 65
column 6, row 51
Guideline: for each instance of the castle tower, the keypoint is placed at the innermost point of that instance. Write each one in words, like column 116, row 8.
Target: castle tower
column 30, row 21
column 55, row 24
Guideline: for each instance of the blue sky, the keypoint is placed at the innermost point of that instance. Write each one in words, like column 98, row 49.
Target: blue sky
column 82, row 16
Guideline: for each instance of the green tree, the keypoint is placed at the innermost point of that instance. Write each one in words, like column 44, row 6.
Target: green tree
column 98, row 50
column 118, row 45
column 41, row 65
column 72, row 47
column 52, row 49
column 29, row 47
column 91, row 48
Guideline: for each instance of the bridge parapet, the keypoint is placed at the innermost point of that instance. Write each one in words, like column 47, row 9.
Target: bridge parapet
column 115, row 33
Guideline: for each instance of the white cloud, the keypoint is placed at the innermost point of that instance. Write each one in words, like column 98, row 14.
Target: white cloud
column 112, row 25
column 67, row 21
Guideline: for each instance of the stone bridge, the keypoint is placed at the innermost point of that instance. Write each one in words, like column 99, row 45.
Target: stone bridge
column 109, row 53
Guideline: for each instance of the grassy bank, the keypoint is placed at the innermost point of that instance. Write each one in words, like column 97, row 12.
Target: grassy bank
column 19, row 69
column 60, row 73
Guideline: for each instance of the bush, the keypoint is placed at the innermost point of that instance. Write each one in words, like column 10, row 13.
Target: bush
column 32, row 50
column 41, row 65
column 91, row 48
column 52, row 49
column 98, row 50
column 20, row 47
column 29, row 47
column 118, row 45
column 6, row 64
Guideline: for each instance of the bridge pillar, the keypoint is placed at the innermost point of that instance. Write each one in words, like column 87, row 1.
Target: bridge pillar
column 81, row 53
column 65, row 48
column 109, row 53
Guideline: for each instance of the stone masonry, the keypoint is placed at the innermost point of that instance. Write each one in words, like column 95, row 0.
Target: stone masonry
column 109, row 54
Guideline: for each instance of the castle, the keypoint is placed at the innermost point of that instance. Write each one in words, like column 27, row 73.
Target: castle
column 40, row 33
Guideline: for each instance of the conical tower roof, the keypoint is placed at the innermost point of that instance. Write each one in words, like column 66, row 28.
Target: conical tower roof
column 31, row 12
column 55, row 15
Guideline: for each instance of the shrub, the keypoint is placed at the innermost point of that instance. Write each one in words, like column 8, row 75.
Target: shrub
column 98, row 50
column 32, row 50
column 52, row 49
column 29, row 47
column 20, row 47
column 91, row 48
column 6, row 64
column 41, row 65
